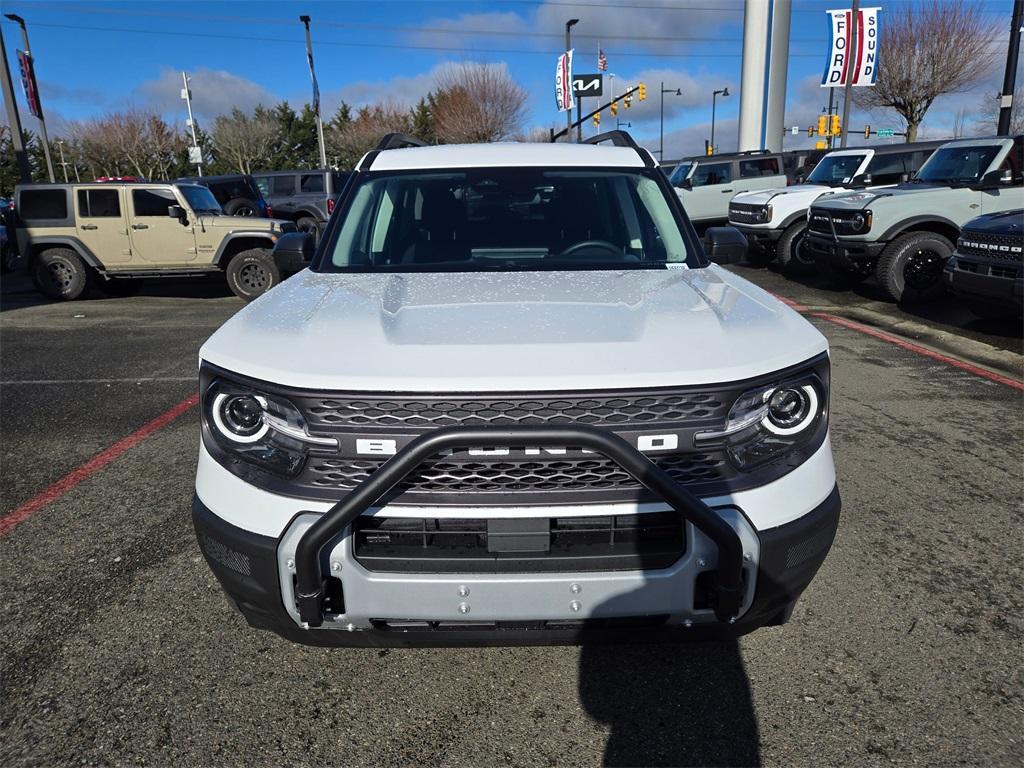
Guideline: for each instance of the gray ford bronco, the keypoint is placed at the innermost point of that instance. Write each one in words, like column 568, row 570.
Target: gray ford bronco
column 906, row 234
column 114, row 235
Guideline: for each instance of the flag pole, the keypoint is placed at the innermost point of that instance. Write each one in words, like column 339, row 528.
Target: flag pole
column 328, row 182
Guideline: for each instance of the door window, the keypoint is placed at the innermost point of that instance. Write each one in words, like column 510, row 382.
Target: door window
column 764, row 166
column 99, row 203
column 713, row 173
column 262, row 184
column 152, row 202
column 888, row 168
column 43, row 204
column 283, row 185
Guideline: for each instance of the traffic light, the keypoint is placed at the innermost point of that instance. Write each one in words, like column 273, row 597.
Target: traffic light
column 822, row 125
column 628, row 101
column 597, row 120
column 810, row 131
column 867, row 131
column 835, row 128
column 641, row 93
column 614, row 108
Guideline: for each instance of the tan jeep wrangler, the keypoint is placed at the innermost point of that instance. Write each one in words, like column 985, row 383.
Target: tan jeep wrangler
column 113, row 235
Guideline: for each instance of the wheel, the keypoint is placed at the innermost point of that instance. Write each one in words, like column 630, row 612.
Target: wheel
column 120, row 286
column 241, row 206
column 790, row 254
column 252, row 273
column 910, row 267
column 60, row 274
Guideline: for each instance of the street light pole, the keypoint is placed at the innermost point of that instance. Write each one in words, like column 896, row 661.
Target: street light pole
column 661, row 130
column 568, row 47
column 1010, row 74
column 186, row 94
column 42, row 123
column 714, row 95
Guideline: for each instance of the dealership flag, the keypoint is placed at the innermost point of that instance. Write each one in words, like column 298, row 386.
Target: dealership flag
column 563, row 83
column 602, row 61
column 862, row 66
column 316, row 86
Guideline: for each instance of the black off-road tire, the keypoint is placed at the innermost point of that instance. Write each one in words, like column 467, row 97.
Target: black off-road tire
column 241, row 206
column 60, row 274
column 8, row 260
column 793, row 259
column 910, row 267
column 252, row 273
column 120, row 286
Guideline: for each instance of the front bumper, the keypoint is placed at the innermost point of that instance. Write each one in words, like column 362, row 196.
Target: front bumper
column 758, row 237
column 978, row 278
column 849, row 255
column 389, row 609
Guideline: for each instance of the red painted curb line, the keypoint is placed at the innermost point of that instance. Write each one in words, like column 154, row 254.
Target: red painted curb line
column 923, row 351
column 93, row 465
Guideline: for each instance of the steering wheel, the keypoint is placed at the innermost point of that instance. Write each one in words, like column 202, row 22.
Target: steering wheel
column 575, row 248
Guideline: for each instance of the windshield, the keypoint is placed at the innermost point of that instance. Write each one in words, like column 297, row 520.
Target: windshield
column 957, row 165
column 200, row 199
column 835, row 170
column 508, row 218
column 679, row 173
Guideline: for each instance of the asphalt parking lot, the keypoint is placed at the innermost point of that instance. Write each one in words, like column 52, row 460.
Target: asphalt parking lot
column 119, row 649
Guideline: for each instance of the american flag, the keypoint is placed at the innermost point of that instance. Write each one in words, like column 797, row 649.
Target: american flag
column 602, row 61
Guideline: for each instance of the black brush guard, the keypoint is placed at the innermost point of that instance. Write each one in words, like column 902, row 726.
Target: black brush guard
column 310, row 581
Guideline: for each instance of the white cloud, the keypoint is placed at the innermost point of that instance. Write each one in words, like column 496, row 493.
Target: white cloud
column 404, row 90
column 214, row 92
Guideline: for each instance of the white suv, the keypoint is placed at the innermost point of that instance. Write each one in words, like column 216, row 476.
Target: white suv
column 512, row 401
column 775, row 220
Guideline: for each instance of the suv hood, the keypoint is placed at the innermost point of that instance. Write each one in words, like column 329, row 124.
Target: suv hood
column 512, row 331
column 1005, row 223
column 855, row 201
column 764, row 196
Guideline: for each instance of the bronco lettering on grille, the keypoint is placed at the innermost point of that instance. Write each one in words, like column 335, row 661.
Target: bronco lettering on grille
column 645, row 443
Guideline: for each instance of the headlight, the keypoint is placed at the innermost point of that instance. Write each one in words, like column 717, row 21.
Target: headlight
column 770, row 421
column 765, row 213
column 859, row 222
column 258, row 428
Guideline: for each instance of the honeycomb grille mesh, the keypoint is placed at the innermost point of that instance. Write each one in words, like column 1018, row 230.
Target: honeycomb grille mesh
column 428, row 412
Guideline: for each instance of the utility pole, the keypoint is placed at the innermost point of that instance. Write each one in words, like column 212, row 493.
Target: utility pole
column 328, row 177
column 13, row 121
column 42, row 123
column 854, row 42
column 186, row 94
column 63, row 162
column 568, row 47
column 1010, row 75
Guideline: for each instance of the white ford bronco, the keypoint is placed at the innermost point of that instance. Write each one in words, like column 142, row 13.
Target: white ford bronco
column 513, row 401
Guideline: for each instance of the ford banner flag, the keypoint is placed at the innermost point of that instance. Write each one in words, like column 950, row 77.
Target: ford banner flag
column 563, row 83
column 861, row 65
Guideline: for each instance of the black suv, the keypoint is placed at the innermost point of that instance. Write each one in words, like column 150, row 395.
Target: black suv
column 237, row 194
column 301, row 196
column 986, row 269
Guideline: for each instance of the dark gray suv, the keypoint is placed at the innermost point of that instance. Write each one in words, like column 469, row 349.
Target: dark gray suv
column 301, row 196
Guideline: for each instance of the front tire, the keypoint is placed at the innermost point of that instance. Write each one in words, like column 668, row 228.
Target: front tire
column 910, row 267
column 252, row 273
column 60, row 274
column 794, row 259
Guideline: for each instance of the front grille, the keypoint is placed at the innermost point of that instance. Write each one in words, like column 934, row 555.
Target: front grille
column 745, row 213
column 986, row 245
column 819, row 222
column 646, row 541
column 582, row 474
column 364, row 412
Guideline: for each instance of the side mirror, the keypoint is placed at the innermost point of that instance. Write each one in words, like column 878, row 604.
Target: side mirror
column 864, row 180
column 1000, row 177
column 904, row 178
column 726, row 245
column 685, row 184
column 175, row 211
column 295, row 250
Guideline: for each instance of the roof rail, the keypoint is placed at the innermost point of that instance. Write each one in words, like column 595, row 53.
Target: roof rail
column 398, row 141
column 622, row 139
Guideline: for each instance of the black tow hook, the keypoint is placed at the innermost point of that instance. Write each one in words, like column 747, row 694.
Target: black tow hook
column 309, row 579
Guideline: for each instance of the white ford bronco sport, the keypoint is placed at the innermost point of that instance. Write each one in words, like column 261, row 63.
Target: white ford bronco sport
column 512, row 401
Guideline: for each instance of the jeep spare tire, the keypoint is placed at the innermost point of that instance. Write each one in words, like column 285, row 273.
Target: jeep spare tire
column 241, row 206
column 910, row 267
column 60, row 274
column 252, row 273
column 309, row 225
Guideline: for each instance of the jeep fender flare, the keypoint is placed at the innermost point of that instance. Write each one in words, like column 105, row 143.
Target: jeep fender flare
column 942, row 225
column 220, row 259
column 36, row 244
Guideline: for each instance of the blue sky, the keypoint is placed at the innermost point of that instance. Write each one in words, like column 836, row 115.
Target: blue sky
column 97, row 57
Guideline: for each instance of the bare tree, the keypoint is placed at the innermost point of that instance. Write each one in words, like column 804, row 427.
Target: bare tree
column 350, row 141
column 132, row 142
column 929, row 48
column 989, row 109
column 245, row 141
column 478, row 103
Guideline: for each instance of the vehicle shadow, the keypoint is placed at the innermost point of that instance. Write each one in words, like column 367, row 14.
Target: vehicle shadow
column 671, row 705
column 17, row 291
